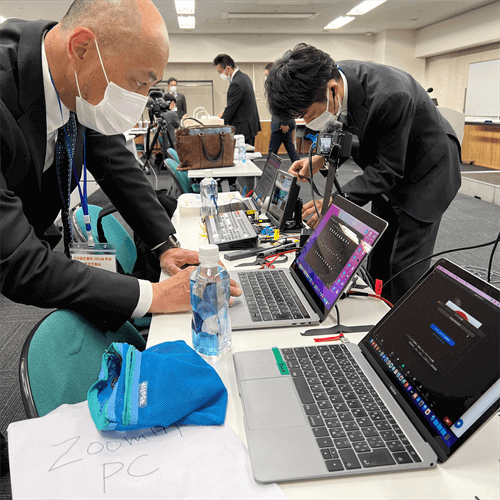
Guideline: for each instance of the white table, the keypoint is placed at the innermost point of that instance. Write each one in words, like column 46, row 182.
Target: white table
column 472, row 472
column 247, row 169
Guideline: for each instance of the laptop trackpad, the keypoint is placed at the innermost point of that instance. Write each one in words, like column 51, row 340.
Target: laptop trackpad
column 270, row 403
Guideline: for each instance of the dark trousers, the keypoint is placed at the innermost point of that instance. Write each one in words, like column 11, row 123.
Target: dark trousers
column 405, row 241
column 278, row 138
column 250, row 140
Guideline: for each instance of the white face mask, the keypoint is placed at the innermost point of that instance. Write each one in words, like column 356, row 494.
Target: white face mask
column 224, row 76
column 319, row 123
column 119, row 110
column 173, row 88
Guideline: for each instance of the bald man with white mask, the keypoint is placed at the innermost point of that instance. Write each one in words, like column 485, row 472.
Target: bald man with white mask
column 96, row 67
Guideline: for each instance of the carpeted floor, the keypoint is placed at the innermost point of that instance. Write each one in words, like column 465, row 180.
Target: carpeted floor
column 467, row 222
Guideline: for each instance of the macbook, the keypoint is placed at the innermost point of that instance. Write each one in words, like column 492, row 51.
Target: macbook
column 409, row 396
column 306, row 292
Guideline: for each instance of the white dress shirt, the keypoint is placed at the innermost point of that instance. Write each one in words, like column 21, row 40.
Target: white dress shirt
column 54, row 122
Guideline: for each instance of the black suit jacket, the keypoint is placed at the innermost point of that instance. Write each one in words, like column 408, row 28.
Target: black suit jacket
column 241, row 108
column 181, row 105
column 30, row 271
column 407, row 150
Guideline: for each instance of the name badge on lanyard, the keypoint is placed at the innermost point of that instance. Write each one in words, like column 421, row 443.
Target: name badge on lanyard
column 101, row 255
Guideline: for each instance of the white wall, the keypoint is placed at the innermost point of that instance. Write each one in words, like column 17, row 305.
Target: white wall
column 473, row 29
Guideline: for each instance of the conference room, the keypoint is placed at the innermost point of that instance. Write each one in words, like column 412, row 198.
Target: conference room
column 450, row 52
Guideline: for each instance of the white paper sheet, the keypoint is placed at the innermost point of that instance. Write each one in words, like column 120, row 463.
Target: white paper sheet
column 62, row 455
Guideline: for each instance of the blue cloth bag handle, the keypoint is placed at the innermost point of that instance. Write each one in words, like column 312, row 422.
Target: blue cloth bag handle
column 164, row 385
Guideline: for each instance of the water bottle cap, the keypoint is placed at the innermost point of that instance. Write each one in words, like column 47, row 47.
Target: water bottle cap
column 208, row 173
column 209, row 254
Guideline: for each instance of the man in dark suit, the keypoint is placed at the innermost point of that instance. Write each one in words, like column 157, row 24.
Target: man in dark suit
column 282, row 132
column 409, row 154
column 48, row 72
column 181, row 106
column 241, row 108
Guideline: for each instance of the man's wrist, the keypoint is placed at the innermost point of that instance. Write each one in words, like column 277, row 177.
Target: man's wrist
column 172, row 242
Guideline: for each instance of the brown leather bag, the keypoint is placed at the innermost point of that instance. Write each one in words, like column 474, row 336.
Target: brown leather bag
column 204, row 146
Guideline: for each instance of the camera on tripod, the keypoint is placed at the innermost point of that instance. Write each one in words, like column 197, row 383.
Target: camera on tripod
column 334, row 146
column 157, row 104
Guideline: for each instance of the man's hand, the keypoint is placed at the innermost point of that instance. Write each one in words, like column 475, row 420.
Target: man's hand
column 284, row 129
column 308, row 210
column 220, row 114
column 172, row 295
column 173, row 259
column 300, row 168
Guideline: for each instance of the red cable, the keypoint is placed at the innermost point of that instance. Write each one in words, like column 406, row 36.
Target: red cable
column 364, row 294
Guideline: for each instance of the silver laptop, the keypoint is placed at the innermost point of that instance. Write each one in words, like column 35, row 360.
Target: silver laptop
column 266, row 181
column 305, row 293
column 416, row 388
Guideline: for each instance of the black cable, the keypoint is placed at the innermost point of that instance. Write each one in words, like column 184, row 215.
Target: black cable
column 490, row 263
column 309, row 159
column 437, row 255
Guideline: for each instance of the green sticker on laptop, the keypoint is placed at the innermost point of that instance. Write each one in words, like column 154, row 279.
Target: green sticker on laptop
column 280, row 362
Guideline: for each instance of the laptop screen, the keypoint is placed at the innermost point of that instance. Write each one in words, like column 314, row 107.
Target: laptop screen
column 266, row 180
column 283, row 198
column 334, row 251
column 439, row 347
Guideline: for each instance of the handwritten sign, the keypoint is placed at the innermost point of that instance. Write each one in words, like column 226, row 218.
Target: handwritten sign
column 63, row 455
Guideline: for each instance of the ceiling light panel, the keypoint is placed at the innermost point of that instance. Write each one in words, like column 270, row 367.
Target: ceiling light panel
column 339, row 22
column 186, row 22
column 184, row 7
column 270, row 15
column 365, row 7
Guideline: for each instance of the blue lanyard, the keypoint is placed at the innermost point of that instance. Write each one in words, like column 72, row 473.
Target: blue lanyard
column 83, row 195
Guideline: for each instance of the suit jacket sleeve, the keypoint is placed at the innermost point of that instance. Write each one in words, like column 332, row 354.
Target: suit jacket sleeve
column 115, row 169
column 235, row 94
column 385, row 140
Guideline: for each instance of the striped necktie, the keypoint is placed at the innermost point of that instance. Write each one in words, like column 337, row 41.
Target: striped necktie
column 65, row 147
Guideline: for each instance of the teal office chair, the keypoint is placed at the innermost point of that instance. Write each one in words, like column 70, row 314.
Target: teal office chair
column 182, row 177
column 173, row 153
column 61, row 359
column 115, row 233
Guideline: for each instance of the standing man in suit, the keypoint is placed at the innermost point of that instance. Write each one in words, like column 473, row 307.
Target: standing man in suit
column 241, row 108
column 409, row 154
column 181, row 105
column 282, row 132
column 68, row 91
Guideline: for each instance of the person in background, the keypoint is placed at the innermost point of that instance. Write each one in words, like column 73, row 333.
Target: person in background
column 241, row 108
column 68, row 91
column 282, row 132
column 172, row 118
column 409, row 154
column 180, row 105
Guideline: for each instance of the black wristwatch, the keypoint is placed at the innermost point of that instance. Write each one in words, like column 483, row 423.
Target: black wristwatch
column 172, row 242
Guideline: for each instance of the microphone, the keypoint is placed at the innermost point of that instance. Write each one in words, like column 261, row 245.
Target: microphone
column 156, row 94
column 332, row 126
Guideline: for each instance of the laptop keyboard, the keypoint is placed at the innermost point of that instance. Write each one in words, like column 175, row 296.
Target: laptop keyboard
column 352, row 426
column 270, row 297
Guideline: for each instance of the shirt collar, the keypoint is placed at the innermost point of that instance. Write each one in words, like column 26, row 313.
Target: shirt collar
column 52, row 110
column 234, row 73
column 343, row 107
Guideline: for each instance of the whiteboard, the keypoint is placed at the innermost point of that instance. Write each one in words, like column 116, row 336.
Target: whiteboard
column 483, row 89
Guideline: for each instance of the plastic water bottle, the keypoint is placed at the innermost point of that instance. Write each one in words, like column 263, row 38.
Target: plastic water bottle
column 242, row 149
column 209, row 284
column 208, row 195
column 243, row 152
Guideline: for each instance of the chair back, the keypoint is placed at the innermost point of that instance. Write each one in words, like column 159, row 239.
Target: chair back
column 173, row 153
column 181, row 176
column 61, row 359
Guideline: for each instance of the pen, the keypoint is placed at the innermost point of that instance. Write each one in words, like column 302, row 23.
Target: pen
column 250, row 193
column 244, row 189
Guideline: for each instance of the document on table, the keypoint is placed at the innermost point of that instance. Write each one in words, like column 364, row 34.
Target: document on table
column 63, row 455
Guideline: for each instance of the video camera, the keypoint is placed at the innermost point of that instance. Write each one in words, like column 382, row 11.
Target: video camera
column 334, row 146
column 157, row 104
